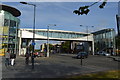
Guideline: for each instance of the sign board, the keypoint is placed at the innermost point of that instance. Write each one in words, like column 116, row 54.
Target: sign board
column 33, row 43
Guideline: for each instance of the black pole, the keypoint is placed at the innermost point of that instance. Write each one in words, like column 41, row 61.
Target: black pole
column 81, row 59
column 33, row 41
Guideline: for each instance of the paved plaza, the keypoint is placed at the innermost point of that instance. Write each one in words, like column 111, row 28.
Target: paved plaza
column 58, row 66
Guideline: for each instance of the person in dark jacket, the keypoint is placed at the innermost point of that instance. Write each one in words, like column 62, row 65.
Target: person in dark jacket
column 12, row 57
column 27, row 58
column 7, row 58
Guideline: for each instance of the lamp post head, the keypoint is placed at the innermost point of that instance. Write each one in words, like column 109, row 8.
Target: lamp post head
column 52, row 25
column 28, row 3
column 23, row 2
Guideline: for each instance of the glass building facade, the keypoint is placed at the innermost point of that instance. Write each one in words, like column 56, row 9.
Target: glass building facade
column 104, row 40
column 9, row 24
column 59, row 34
column 118, row 24
column 118, row 19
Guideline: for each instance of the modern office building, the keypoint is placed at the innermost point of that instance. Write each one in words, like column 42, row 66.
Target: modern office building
column 104, row 40
column 118, row 19
column 9, row 23
column 118, row 24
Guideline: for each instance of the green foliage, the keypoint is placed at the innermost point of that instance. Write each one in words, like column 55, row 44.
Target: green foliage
column 66, row 46
column 117, row 39
column 30, row 47
column 51, row 46
column 37, row 50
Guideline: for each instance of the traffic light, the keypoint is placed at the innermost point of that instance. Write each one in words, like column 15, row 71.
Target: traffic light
column 76, row 12
column 102, row 5
column 82, row 10
column 86, row 12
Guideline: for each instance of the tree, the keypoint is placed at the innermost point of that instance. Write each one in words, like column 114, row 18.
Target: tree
column 51, row 46
column 117, row 39
column 66, row 46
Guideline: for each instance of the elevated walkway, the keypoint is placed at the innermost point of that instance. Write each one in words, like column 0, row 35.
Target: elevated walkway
column 57, row 35
column 41, row 34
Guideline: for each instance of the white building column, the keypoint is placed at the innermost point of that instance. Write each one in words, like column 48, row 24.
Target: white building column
column 20, row 41
column 71, row 45
column 93, row 51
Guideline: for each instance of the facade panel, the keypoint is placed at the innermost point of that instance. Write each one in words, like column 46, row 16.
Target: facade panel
column 104, row 40
column 118, row 24
column 8, row 32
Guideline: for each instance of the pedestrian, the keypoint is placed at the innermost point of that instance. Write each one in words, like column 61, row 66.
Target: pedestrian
column 27, row 58
column 7, row 58
column 12, row 57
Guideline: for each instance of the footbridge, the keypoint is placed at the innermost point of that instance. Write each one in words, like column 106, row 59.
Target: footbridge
column 58, row 35
column 41, row 34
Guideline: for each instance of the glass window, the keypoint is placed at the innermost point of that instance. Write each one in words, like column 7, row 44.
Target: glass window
column 55, row 35
column 12, row 31
column 103, row 35
column 40, row 33
column 50, row 34
column 73, row 35
column 78, row 35
column 12, row 23
column 67, row 35
column 111, row 34
column 5, row 30
column 6, row 22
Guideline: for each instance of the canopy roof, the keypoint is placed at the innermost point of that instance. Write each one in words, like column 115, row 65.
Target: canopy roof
column 15, row 12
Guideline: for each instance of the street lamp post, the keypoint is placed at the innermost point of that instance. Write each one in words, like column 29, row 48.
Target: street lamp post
column 86, row 30
column 33, row 40
column 48, row 41
column 86, row 40
column 48, row 38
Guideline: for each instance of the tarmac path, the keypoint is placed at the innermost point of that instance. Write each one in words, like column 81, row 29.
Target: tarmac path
column 58, row 66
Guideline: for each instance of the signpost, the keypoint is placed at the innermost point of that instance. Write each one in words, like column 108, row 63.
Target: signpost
column 33, row 44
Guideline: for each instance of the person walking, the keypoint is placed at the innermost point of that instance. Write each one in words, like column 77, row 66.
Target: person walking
column 27, row 58
column 12, row 57
column 7, row 58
